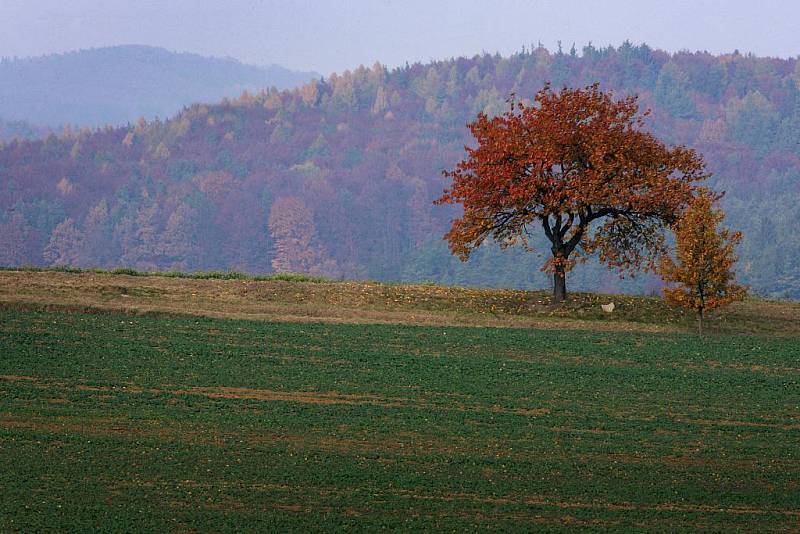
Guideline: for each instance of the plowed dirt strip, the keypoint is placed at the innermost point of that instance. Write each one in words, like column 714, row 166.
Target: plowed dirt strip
column 302, row 397
column 335, row 398
column 541, row 501
column 403, row 446
column 297, row 396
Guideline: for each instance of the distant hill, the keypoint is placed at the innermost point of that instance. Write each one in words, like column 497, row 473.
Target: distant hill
column 10, row 130
column 119, row 84
column 338, row 177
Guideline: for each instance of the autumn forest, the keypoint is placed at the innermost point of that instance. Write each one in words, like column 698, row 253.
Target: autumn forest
column 338, row 177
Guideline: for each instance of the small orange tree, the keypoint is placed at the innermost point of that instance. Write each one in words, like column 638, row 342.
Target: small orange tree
column 574, row 158
column 702, row 277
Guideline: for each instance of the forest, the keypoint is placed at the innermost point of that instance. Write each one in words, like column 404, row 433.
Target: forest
column 338, row 177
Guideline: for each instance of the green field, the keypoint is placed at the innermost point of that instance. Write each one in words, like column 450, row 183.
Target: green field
column 121, row 422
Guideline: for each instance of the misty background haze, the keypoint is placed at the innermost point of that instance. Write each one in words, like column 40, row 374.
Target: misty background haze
column 334, row 36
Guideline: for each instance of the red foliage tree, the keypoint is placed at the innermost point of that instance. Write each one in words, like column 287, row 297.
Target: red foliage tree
column 574, row 157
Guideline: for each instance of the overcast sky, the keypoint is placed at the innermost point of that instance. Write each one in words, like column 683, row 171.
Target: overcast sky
column 329, row 36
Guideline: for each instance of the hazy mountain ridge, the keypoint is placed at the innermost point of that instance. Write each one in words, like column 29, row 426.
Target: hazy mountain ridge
column 119, row 84
column 338, row 177
column 17, row 129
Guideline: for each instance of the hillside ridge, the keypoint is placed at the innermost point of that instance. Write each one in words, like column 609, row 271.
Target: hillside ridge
column 119, row 84
column 355, row 161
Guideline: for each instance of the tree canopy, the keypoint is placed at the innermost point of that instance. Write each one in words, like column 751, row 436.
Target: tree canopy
column 580, row 165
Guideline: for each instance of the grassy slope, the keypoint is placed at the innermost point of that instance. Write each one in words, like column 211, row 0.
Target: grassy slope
column 181, row 423
column 360, row 302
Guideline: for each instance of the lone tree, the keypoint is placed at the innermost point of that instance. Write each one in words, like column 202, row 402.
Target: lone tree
column 579, row 165
column 702, row 275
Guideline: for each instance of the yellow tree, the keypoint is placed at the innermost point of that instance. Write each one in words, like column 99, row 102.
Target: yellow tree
column 702, row 277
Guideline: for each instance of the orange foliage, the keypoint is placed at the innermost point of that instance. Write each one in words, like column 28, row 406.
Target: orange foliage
column 573, row 157
column 702, row 275
column 297, row 247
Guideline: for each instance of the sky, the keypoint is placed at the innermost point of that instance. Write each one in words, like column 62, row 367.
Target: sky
column 331, row 36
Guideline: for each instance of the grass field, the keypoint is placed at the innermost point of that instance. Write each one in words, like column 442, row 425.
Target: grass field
column 119, row 421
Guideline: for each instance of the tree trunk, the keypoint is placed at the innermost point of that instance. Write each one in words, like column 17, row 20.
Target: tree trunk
column 700, row 322
column 559, row 286
column 555, row 232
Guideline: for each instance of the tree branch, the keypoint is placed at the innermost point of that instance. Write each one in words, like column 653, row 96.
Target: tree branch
column 547, row 230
